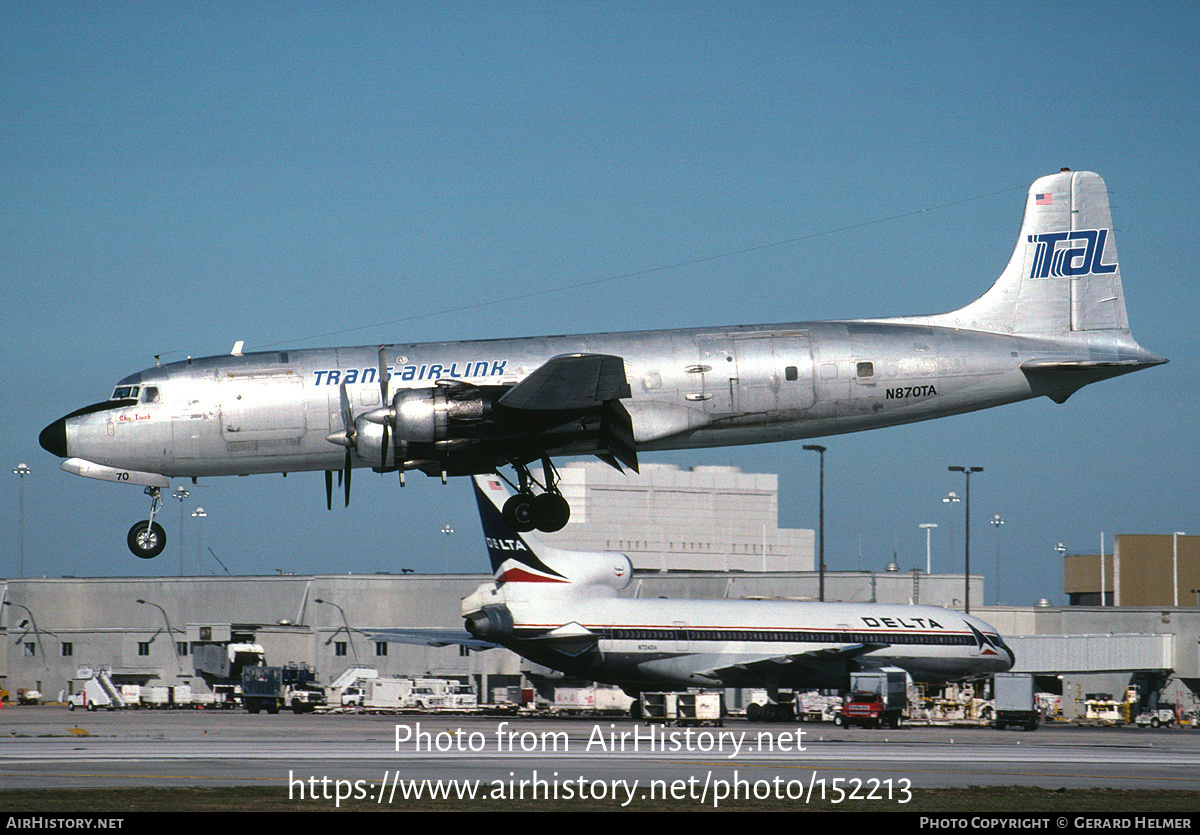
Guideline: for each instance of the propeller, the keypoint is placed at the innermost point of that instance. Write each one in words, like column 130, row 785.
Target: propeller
column 345, row 439
column 383, row 394
column 348, row 417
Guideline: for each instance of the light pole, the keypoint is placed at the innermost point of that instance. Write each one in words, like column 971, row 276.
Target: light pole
column 1175, row 566
column 349, row 634
column 1061, row 550
column 198, row 514
column 180, row 494
column 447, row 530
column 37, row 635
column 170, row 631
column 951, row 499
column 996, row 522
column 967, row 536
column 21, row 470
column 820, row 450
column 928, row 526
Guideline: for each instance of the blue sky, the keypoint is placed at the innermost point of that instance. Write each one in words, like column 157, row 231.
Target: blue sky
column 177, row 178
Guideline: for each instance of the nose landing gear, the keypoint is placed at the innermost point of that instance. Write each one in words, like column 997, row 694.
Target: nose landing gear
column 147, row 539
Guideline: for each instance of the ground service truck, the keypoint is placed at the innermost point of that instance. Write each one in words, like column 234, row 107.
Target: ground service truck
column 292, row 686
column 876, row 698
column 1014, row 704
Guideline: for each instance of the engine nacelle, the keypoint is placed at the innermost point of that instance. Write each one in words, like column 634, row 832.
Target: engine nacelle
column 368, row 443
column 428, row 415
column 492, row 623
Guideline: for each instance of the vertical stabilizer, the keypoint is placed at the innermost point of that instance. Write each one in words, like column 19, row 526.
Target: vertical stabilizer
column 524, row 558
column 1063, row 275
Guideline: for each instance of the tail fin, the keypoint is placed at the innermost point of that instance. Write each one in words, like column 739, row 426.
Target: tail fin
column 1063, row 275
column 524, row 558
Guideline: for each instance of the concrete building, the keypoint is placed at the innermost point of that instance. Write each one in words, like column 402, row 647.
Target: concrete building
column 670, row 519
column 148, row 630
column 1079, row 650
column 54, row 626
column 1142, row 570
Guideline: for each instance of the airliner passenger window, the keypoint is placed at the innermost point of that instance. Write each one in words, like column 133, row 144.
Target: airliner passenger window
column 866, row 369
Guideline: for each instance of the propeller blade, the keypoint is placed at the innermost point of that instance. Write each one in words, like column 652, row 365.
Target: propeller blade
column 383, row 379
column 329, row 489
column 383, row 395
column 348, row 419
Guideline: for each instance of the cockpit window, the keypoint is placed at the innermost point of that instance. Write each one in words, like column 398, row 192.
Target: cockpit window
column 125, row 392
column 150, row 394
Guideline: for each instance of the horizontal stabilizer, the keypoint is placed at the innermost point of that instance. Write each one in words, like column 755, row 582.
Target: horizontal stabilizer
column 430, row 637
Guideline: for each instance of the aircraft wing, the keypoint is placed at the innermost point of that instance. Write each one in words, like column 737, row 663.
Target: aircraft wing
column 430, row 637
column 569, row 385
column 821, row 660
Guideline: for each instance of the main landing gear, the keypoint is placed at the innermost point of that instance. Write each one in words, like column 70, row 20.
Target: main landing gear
column 547, row 511
column 147, row 539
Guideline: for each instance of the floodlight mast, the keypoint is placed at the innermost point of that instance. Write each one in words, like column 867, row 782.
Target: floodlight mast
column 967, row 547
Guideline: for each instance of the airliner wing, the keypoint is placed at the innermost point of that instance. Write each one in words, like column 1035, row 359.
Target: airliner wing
column 430, row 637
column 820, row 660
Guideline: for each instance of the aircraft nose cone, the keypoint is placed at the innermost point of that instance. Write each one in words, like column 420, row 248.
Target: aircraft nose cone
column 54, row 438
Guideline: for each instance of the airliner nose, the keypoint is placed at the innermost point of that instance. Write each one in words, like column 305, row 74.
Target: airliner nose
column 54, row 438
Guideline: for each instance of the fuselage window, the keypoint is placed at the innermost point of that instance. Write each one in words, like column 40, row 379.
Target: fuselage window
column 866, row 369
column 791, row 374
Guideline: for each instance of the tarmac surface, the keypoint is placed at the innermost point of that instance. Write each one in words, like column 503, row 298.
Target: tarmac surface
column 375, row 758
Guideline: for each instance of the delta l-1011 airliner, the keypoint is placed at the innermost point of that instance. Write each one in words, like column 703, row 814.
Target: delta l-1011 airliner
column 561, row 609
column 1053, row 322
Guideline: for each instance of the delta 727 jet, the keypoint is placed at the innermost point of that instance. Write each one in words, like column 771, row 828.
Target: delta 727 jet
column 561, row 609
column 1053, row 322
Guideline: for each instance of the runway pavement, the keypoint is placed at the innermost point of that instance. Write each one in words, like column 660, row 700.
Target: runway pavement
column 378, row 759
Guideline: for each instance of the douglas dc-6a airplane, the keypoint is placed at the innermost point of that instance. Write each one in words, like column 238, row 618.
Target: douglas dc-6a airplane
column 560, row 609
column 1053, row 322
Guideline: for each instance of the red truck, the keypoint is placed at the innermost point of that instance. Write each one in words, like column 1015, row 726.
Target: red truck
column 875, row 699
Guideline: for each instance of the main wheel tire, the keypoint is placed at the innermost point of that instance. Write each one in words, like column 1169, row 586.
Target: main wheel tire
column 518, row 512
column 550, row 512
column 147, row 539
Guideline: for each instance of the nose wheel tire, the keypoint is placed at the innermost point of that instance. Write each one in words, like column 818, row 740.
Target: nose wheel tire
column 147, row 539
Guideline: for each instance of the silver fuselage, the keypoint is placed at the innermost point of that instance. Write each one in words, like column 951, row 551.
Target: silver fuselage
column 273, row 412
